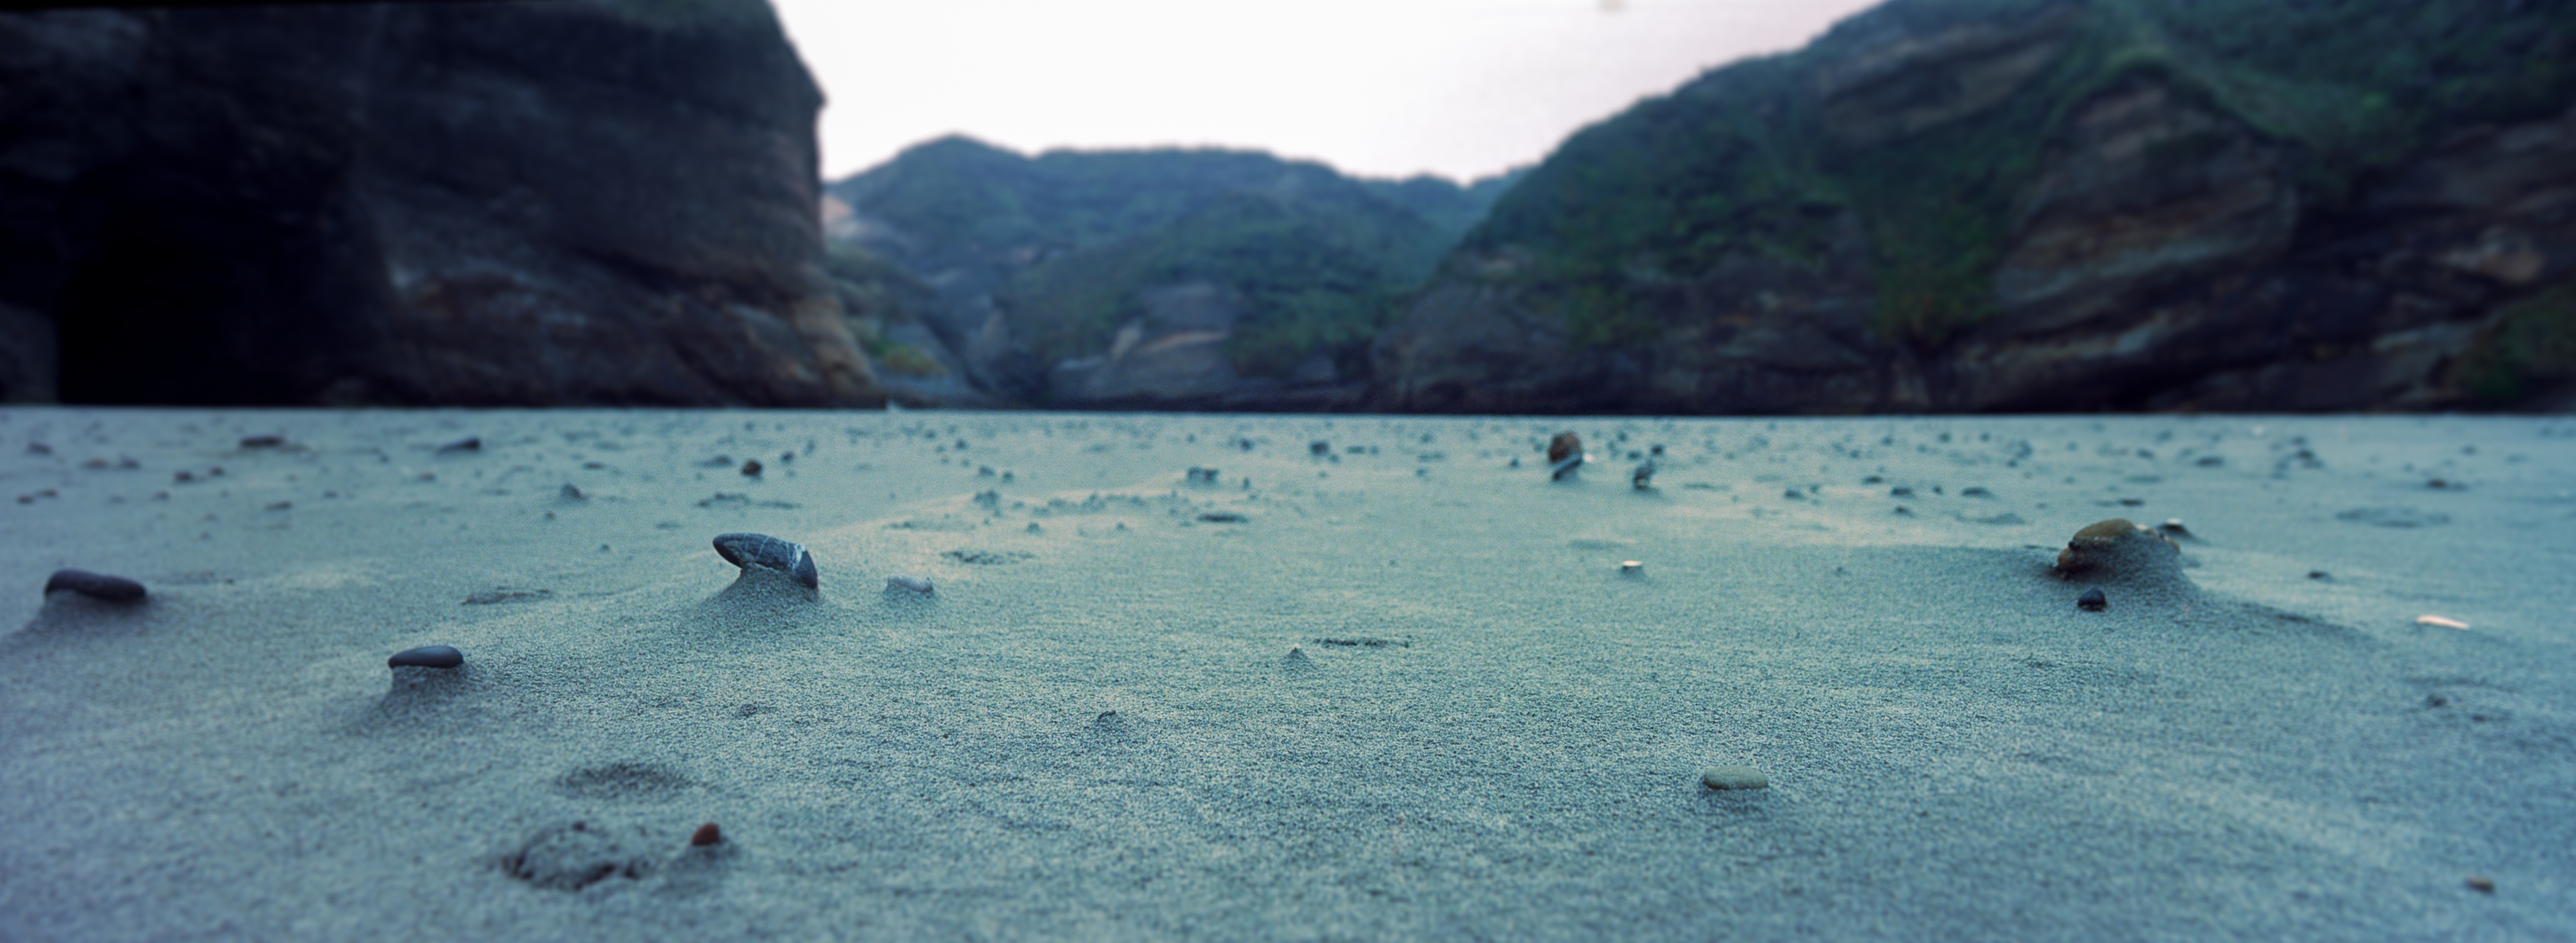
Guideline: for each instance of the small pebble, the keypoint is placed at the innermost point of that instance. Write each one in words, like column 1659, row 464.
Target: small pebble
column 1319, row 447
column 2093, row 600
column 1564, row 445
column 1642, row 477
column 2442, row 622
column 426, row 656
column 1202, row 476
column 2319, row 575
column 471, row 443
column 95, row 585
column 902, row 583
column 570, row 493
column 2481, row 884
column 762, row 550
column 262, row 441
column 1631, row 568
column 706, row 835
column 751, row 468
column 1223, row 517
column 1734, row 777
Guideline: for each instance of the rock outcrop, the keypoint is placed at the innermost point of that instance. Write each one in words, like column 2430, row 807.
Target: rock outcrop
column 2043, row 206
column 487, row 203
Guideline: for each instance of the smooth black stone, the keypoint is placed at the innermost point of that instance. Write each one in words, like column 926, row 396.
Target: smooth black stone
column 426, row 656
column 471, row 443
column 262, row 441
column 2093, row 600
column 1319, row 447
column 95, row 585
column 751, row 468
column 762, row 550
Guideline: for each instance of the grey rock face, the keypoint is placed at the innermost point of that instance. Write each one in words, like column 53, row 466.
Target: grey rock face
column 489, row 203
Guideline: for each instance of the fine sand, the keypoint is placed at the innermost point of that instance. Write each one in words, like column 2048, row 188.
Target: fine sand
column 1095, row 726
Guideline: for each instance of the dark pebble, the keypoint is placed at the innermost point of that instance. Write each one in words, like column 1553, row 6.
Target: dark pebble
column 1202, row 476
column 1900, row 492
column 471, row 443
column 95, row 585
column 1319, row 447
column 706, row 835
column 1562, row 446
column 426, row 656
column 762, row 550
column 262, row 441
column 570, row 493
column 1642, row 477
column 751, row 468
column 2319, row 575
column 2482, row 885
column 1223, row 517
column 2093, row 600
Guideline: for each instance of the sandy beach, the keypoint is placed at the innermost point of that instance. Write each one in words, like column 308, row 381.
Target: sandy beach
column 1368, row 678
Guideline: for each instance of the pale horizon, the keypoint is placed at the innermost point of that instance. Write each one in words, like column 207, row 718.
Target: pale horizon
column 1462, row 89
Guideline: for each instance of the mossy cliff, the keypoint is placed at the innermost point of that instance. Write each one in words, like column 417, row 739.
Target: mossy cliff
column 2027, row 204
column 1152, row 277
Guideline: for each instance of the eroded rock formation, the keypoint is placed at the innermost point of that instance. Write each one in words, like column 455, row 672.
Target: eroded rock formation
column 484, row 203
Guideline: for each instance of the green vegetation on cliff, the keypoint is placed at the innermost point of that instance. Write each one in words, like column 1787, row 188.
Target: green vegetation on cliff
column 1310, row 275
column 878, row 295
column 1067, row 242
column 1743, row 159
column 2530, row 350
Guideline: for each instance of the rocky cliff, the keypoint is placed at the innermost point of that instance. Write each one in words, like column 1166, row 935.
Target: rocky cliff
column 2027, row 205
column 478, row 203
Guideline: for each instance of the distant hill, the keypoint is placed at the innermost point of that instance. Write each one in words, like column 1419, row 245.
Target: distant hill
column 1148, row 277
column 2036, row 205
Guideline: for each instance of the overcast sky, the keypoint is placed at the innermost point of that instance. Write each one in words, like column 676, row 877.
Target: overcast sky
column 1384, row 88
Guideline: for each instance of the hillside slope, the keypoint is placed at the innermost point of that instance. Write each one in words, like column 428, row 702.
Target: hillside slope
column 1153, row 277
column 2034, row 205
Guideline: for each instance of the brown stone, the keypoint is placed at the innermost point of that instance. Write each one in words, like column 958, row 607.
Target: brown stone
column 1563, row 445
